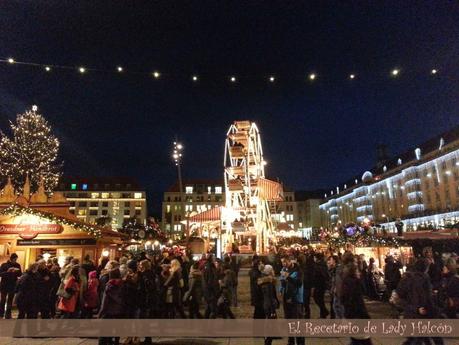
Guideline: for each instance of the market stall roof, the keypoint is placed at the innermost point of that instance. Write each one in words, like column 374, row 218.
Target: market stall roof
column 213, row 214
column 96, row 231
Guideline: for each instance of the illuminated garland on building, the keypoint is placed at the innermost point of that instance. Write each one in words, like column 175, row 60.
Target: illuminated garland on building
column 17, row 210
column 363, row 237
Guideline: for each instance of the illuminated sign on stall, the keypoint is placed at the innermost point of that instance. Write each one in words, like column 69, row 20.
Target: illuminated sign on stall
column 30, row 231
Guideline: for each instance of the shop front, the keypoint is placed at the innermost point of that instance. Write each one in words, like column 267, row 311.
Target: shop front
column 34, row 226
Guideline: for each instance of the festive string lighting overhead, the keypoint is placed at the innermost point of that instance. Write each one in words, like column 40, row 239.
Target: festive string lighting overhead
column 157, row 75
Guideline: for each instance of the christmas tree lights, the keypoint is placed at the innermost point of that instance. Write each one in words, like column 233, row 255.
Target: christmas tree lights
column 32, row 150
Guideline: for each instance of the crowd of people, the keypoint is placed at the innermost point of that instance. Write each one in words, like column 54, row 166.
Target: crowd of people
column 173, row 285
column 427, row 288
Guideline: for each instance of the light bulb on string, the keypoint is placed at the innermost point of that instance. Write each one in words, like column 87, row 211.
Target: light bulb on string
column 194, row 78
column 395, row 72
column 119, row 69
column 156, row 74
column 312, row 76
column 233, row 79
column 11, row 60
column 47, row 68
column 434, row 71
column 272, row 79
column 82, row 70
column 352, row 76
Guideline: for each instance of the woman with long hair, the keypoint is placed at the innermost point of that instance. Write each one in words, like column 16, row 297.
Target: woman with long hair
column 69, row 298
column 174, row 285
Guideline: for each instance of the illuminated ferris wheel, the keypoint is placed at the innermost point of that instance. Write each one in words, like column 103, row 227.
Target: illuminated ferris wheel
column 247, row 209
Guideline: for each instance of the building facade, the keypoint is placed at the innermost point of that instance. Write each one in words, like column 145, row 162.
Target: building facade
column 197, row 196
column 419, row 187
column 113, row 199
column 296, row 215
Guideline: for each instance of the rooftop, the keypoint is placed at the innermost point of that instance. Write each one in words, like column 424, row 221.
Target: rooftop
column 111, row 183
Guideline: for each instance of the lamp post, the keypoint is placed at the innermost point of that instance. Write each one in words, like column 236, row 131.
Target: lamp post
column 177, row 156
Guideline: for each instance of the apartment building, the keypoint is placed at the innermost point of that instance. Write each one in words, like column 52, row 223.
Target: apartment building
column 112, row 198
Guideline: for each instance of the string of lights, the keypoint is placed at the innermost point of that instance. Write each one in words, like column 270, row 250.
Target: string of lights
column 155, row 74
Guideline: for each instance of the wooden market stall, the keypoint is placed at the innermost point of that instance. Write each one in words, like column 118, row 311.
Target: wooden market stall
column 35, row 224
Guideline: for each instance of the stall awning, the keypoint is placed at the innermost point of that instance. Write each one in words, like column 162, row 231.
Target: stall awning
column 270, row 190
column 214, row 214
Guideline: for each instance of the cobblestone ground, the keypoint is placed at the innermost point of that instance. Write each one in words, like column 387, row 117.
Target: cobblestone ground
column 377, row 310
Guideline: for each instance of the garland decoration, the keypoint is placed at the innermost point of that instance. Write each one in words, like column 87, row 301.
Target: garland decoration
column 18, row 210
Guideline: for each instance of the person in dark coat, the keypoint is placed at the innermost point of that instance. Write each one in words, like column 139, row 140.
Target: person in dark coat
column 211, row 288
column 113, row 303
column 450, row 289
column 44, row 290
column 174, row 284
column 414, row 295
column 352, row 299
column 321, row 282
column 332, row 264
column 267, row 283
column 308, row 276
column 292, row 291
column 10, row 271
column 235, row 267
column 392, row 274
column 195, row 291
column 104, row 276
column 55, row 283
column 224, row 300
column 26, row 291
column 147, row 298
column 88, row 265
column 256, row 297
column 434, row 269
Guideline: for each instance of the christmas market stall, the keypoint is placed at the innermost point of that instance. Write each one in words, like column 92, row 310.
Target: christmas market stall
column 34, row 225
column 369, row 240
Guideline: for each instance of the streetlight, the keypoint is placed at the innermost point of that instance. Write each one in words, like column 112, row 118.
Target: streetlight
column 177, row 156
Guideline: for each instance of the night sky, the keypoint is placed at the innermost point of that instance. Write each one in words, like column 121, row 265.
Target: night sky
column 314, row 135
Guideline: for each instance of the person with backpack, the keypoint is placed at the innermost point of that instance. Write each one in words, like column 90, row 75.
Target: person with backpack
column 69, row 295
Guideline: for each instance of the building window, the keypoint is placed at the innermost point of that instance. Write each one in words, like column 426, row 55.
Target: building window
column 82, row 212
column 84, row 186
column 93, row 212
column 168, row 208
column 104, row 212
column 94, row 204
column 189, row 190
column 105, row 195
column 289, row 217
column 218, row 190
column 127, row 204
column 82, row 204
column 72, row 211
column 126, row 195
column 73, row 186
column 137, row 195
column 138, row 212
column 127, row 212
column 94, row 195
column 209, row 189
column 105, row 204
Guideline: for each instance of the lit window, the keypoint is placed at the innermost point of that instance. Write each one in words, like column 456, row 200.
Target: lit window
column 84, row 186
column 94, row 195
column 168, row 208
column 218, row 190
column 137, row 195
column 289, row 217
column 82, row 212
column 105, row 195
column 73, row 186
column 209, row 189
column 189, row 190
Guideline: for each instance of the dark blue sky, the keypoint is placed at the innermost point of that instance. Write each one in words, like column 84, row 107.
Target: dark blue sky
column 314, row 134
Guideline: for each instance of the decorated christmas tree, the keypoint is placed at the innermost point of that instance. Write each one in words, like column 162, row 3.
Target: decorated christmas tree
column 32, row 150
